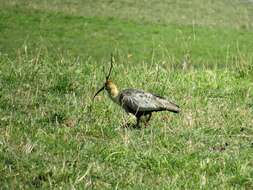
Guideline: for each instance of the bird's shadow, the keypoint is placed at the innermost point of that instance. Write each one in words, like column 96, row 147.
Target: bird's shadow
column 130, row 126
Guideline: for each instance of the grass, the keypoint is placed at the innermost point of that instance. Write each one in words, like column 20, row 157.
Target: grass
column 236, row 13
column 53, row 136
column 82, row 35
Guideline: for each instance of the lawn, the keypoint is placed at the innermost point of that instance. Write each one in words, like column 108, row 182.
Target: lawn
column 54, row 55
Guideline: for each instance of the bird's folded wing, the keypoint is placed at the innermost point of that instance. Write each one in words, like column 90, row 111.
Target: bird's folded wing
column 140, row 101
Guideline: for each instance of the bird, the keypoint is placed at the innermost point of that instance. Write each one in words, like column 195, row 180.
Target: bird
column 135, row 101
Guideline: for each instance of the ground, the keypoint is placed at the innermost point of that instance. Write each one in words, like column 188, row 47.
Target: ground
column 54, row 55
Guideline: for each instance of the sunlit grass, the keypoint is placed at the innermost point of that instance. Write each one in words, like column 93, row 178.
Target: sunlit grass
column 52, row 135
column 211, row 13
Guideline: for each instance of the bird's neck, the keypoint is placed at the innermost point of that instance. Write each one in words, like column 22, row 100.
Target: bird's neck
column 114, row 94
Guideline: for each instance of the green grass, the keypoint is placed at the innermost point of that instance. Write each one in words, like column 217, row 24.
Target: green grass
column 97, row 37
column 52, row 61
column 236, row 13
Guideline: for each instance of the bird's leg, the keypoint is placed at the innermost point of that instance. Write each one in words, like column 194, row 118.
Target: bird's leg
column 149, row 117
column 138, row 122
column 147, row 120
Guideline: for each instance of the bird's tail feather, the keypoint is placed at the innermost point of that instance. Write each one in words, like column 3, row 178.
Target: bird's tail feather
column 169, row 106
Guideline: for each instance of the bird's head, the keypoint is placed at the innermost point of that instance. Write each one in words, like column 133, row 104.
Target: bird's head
column 109, row 85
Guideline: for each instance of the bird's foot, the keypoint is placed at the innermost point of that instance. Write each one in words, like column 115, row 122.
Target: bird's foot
column 136, row 126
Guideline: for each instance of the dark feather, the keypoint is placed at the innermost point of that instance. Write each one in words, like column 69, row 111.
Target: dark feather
column 137, row 101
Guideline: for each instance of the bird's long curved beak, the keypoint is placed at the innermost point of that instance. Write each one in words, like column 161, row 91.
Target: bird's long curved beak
column 98, row 91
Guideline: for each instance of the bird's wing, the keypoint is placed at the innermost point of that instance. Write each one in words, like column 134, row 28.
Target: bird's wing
column 168, row 105
column 137, row 100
